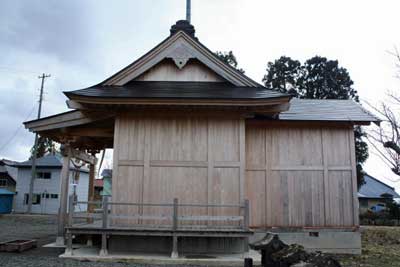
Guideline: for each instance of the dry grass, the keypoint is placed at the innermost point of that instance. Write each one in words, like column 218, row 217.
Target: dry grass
column 380, row 248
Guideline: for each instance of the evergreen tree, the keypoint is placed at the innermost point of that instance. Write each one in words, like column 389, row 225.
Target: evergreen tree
column 229, row 58
column 45, row 146
column 317, row 78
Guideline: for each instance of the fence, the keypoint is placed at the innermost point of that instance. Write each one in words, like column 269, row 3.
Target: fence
column 110, row 216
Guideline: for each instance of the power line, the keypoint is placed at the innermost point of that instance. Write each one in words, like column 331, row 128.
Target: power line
column 12, row 69
column 17, row 130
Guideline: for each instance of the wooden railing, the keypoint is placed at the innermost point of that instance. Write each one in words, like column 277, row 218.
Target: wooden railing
column 101, row 217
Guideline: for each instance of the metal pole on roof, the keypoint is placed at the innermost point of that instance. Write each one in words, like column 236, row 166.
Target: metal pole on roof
column 188, row 10
column 34, row 152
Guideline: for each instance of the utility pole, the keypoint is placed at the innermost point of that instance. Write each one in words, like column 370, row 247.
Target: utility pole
column 188, row 10
column 34, row 155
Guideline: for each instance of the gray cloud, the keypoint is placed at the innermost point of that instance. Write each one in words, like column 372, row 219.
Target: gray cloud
column 59, row 28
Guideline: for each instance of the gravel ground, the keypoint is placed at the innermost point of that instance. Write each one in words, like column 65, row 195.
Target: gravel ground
column 43, row 229
column 381, row 245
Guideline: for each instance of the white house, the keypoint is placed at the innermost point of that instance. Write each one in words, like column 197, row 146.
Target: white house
column 47, row 186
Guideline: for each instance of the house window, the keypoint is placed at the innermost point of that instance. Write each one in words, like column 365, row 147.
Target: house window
column 44, row 195
column 43, row 175
column 3, row 182
column 54, row 196
column 35, row 199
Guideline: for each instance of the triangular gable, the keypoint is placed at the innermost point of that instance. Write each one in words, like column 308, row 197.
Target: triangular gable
column 168, row 71
column 181, row 48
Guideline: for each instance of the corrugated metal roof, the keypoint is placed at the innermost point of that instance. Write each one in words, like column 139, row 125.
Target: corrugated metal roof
column 326, row 110
column 177, row 90
column 6, row 192
column 50, row 160
column 3, row 168
column 373, row 188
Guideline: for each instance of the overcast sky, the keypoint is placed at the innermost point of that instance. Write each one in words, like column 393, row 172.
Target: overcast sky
column 82, row 42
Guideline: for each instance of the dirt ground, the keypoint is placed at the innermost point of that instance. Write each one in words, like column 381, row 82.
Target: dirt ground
column 381, row 245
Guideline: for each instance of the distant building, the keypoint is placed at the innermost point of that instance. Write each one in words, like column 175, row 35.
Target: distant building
column 98, row 189
column 374, row 192
column 107, row 182
column 46, row 194
column 8, row 175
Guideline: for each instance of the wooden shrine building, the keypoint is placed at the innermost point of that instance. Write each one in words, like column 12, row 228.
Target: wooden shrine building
column 205, row 157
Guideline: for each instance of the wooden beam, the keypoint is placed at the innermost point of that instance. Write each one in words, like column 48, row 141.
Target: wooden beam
column 91, row 132
column 187, row 102
column 63, row 120
column 91, row 188
column 62, row 211
column 300, row 124
column 74, row 105
column 83, row 156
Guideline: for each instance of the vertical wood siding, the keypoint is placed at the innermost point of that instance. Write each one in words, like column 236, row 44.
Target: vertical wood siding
column 293, row 176
column 300, row 177
column 198, row 161
column 193, row 71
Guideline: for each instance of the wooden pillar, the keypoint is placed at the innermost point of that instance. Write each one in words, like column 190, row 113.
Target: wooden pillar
column 352, row 149
column 103, row 250
column 174, row 253
column 62, row 211
column 91, row 207
column 68, row 248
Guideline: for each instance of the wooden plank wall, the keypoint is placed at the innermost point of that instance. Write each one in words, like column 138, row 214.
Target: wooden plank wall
column 192, row 71
column 198, row 161
column 301, row 177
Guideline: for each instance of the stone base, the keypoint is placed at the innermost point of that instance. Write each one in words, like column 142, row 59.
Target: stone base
column 93, row 254
column 341, row 242
column 186, row 245
column 60, row 241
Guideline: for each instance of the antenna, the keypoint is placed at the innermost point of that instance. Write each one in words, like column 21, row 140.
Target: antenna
column 188, row 10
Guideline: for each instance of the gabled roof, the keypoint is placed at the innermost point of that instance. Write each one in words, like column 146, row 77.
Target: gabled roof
column 373, row 188
column 180, row 46
column 48, row 161
column 7, row 166
column 326, row 110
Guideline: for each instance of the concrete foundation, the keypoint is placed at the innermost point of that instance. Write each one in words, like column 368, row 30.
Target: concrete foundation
column 186, row 245
column 343, row 242
column 92, row 254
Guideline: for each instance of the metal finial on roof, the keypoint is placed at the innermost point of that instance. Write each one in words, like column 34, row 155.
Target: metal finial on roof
column 188, row 10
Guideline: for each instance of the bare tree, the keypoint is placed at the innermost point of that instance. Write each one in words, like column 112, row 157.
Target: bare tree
column 386, row 138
